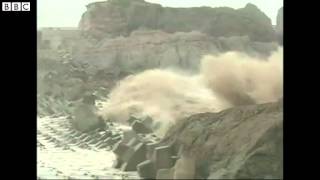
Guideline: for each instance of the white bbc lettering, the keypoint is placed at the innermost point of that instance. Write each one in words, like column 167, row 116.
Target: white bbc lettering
column 15, row 6
column 6, row 6
column 25, row 6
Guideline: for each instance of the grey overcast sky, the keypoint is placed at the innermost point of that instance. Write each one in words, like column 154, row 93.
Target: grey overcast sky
column 67, row 13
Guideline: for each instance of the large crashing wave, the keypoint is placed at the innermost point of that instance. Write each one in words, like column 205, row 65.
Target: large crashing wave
column 224, row 81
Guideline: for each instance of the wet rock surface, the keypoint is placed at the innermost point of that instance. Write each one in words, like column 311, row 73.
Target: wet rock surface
column 237, row 143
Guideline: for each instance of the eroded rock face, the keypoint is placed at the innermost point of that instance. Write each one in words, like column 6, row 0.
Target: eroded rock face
column 157, row 49
column 120, row 17
column 238, row 143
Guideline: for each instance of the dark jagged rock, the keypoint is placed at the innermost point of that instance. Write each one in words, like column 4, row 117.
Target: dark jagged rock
column 120, row 148
column 133, row 149
column 133, row 157
column 162, row 157
column 139, row 127
column 146, row 169
column 129, row 156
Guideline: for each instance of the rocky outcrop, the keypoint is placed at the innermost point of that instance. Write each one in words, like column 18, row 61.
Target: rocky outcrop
column 244, row 142
column 121, row 17
column 157, row 49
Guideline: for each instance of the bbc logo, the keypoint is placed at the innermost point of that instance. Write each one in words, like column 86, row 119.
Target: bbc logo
column 15, row 6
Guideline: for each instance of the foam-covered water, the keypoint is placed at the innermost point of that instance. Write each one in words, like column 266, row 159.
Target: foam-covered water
column 61, row 162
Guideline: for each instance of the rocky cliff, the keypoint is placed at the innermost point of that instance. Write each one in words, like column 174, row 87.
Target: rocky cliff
column 157, row 49
column 133, row 35
column 120, row 17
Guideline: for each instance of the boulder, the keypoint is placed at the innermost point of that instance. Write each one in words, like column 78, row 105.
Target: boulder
column 133, row 157
column 140, row 128
column 85, row 119
column 146, row 169
column 162, row 157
